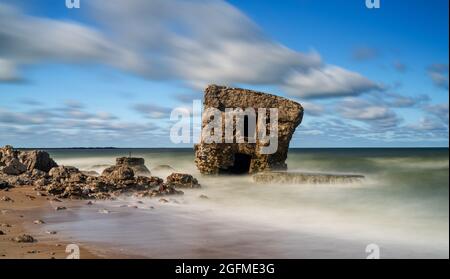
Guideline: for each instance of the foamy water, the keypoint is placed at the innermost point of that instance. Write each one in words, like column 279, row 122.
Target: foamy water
column 402, row 206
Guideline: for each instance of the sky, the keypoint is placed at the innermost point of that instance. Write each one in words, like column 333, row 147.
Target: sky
column 110, row 72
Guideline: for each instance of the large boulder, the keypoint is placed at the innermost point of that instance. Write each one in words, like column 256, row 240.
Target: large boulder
column 136, row 164
column 12, row 166
column 182, row 180
column 118, row 173
column 231, row 156
column 7, row 151
column 13, row 161
column 37, row 159
column 66, row 174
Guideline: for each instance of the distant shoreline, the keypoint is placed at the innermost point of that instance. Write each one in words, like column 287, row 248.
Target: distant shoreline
column 190, row 148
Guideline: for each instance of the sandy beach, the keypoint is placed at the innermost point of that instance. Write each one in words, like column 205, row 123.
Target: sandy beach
column 17, row 217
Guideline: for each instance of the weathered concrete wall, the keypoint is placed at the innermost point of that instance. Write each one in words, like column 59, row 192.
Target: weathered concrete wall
column 213, row 158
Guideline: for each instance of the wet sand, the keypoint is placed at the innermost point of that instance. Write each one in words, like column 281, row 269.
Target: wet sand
column 188, row 227
column 17, row 217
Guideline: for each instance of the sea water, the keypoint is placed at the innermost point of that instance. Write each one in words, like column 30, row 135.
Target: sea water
column 402, row 207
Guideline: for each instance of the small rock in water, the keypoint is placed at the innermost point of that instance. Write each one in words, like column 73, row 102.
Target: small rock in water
column 2, row 233
column 132, row 206
column 89, row 203
column 203, row 197
column 140, row 202
column 182, row 180
column 24, row 238
column 38, row 222
column 60, row 208
column 136, row 164
column 163, row 200
column 5, row 225
column 51, row 232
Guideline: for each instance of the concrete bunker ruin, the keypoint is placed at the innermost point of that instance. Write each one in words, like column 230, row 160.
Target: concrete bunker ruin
column 246, row 157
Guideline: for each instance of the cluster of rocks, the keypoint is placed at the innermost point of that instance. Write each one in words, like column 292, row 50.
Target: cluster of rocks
column 36, row 168
column 14, row 162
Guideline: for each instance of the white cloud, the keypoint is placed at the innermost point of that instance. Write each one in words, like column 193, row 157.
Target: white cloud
column 8, row 71
column 440, row 111
column 369, row 112
column 439, row 75
column 329, row 81
column 200, row 42
column 427, row 124
column 28, row 40
column 312, row 109
column 197, row 41
column 152, row 111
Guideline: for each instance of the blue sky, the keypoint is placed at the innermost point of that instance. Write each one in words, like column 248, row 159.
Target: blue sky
column 109, row 73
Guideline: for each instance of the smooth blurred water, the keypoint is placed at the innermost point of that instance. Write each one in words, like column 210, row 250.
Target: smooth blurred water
column 402, row 206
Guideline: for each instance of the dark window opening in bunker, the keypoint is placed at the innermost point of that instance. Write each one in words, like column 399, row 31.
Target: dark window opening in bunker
column 249, row 130
column 246, row 126
column 241, row 164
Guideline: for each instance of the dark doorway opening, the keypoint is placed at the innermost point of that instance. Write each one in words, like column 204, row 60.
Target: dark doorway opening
column 241, row 164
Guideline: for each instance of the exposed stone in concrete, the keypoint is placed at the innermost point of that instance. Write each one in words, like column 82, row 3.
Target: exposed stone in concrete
column 214, row 158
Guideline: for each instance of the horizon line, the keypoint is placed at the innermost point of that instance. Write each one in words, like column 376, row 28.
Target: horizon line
column 328, row 147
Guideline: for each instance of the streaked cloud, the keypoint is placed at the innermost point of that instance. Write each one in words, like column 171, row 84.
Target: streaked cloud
column 369, row 112
column 74, row 124
column 439, row 75
column 170, row 40
column 329, row 81
column 438, row 110
column 400, row 66
column 152, row 111
column 364, row 53
column 313, row 109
